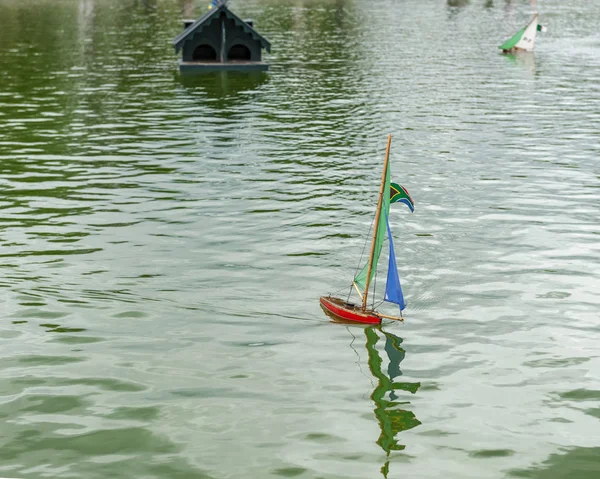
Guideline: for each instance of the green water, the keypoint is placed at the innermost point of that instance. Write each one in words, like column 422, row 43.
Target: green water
column 164, row 242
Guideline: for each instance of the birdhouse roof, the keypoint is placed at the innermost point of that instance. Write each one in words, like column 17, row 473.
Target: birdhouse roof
column 209, row 17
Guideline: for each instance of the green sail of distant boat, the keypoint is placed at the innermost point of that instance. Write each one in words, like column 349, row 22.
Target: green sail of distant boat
column 510, row 43
column 524, row 39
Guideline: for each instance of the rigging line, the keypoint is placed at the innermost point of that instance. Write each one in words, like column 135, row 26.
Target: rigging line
column 349, row 293
column 337, row 292
column 375, row 285
column 365, row 245
column 374, row 290
column 361, row 256
column 370, row 378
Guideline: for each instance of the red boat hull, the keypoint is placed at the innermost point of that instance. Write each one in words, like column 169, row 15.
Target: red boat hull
column 344, row 311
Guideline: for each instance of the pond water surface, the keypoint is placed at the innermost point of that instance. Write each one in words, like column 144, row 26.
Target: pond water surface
column 164, row 242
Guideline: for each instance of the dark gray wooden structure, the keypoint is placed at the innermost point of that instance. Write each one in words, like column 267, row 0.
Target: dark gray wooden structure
column 220, row 40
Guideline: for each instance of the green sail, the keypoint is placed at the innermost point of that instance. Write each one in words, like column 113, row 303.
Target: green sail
column 361, row 278
column 508, row 44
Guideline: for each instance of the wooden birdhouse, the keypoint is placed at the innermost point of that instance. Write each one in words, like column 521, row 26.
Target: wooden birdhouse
column 220, row 40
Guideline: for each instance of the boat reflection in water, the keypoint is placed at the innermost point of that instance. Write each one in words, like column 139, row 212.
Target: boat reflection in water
column 525, row 60
column 388, row 393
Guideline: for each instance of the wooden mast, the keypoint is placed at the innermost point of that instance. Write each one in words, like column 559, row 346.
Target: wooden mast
column 380, row 202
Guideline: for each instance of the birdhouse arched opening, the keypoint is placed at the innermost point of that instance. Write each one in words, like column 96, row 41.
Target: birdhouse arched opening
column 239, row 53
column 204, row 53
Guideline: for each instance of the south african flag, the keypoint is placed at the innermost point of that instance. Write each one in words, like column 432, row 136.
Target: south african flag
column 399, row 193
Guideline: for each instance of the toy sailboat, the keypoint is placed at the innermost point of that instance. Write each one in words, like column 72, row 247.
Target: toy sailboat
column 344, row 310
column 524, row 39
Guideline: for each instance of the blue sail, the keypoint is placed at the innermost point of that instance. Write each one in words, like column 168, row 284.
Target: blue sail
column 393, row 290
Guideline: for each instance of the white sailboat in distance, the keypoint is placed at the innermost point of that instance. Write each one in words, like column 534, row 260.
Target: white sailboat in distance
column 524, row 39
